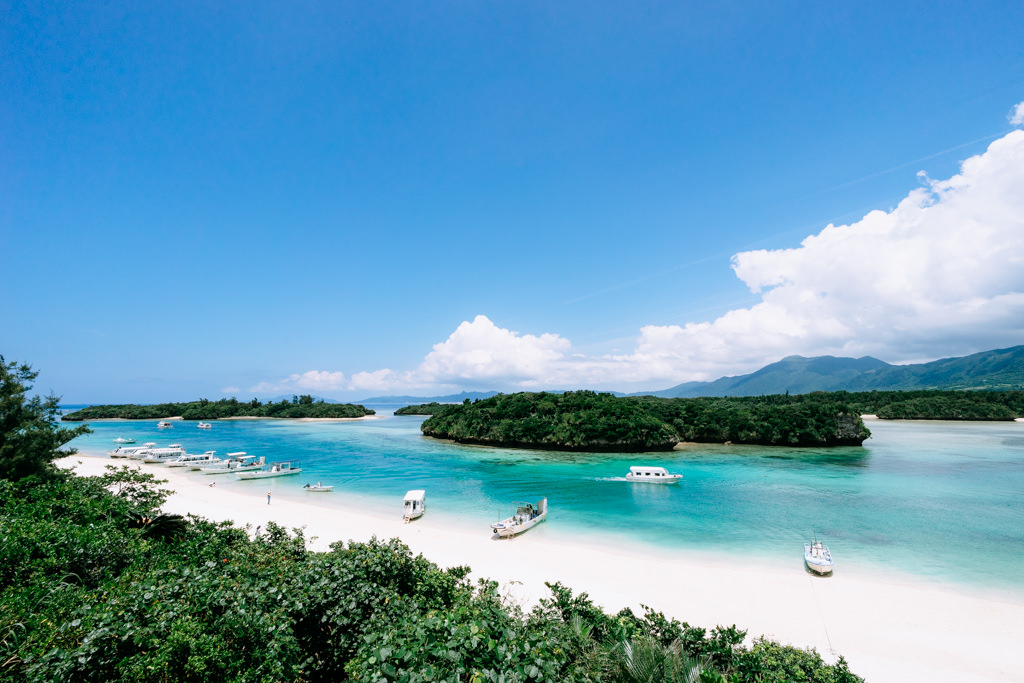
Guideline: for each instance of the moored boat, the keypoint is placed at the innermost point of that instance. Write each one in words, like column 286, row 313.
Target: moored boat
column 818, row 558
column 239, row 463
column 162, row 455
column 525, row 516
column 162, row 424
column 130, row 451
column 319, row 487
column 275, row 469
column 204, row 425
column 123, row 440
column 652, row 475
column 414, row 504
column 196, row 460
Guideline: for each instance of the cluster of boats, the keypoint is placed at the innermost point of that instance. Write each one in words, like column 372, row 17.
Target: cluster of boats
column 239, row 463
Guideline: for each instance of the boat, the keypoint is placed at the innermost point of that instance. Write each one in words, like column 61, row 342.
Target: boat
column 130, row 451
column 164, row 425
column 204, row 425
column 275, row 469
column 318, row 487
column 196, row 459
column 414, row 505
column 652, row 475
column 123, row 440
column 221, row 462
column 162, row 455
column 817, row 557
column 526, row 516
column 241, row 463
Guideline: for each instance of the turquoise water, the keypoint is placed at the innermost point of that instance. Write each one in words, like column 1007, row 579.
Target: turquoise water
column 942, row 501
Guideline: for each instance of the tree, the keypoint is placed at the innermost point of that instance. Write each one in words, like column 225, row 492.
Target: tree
column 30, row 438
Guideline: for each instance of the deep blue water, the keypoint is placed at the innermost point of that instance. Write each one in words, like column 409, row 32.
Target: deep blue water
column 938, row 500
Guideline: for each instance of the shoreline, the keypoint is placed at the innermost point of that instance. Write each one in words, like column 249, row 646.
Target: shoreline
column 888, row 629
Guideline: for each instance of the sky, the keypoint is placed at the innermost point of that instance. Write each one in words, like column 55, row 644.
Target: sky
column 350, row 199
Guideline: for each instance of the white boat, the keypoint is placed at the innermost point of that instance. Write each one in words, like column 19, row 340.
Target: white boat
column 817, row 557
column 161, row 455
column 318, row 487
column 221, row 462
column 196, row 460
column 242, row 463
column 414, row 505
column 652, row 475
column 164, row 425
column 130, row 451
column 526, row 516
column 123, row 440
column 204, row 425
column 275, row 469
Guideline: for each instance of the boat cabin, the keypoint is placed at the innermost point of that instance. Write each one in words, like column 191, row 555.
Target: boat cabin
column 648, row 471
column 414, row 504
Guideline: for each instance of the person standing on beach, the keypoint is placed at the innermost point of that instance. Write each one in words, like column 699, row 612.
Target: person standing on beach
column 268, row 497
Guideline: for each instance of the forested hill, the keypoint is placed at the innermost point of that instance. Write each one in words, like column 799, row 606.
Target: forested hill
column 1002, row 369
column 298, row 407
column 588, row 421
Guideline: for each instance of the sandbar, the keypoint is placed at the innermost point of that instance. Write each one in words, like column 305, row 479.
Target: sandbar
column 888, row 629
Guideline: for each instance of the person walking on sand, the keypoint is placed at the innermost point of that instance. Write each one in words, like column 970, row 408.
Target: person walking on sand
column 268, row 497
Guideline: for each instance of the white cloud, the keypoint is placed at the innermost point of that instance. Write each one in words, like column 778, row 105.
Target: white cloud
column 942, row 274
column 314, row 380
column 230, row 390
column 1017, row 115
column 480, row 350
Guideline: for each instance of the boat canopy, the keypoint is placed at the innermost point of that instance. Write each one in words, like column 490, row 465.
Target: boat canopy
column 416, row 495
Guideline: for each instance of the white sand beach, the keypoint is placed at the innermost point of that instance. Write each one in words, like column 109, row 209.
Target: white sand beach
column 889, row 630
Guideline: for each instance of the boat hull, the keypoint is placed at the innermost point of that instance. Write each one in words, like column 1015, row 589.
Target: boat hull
column 666, row 479
column 509, row 527
column 818, row 559
column 267, row 475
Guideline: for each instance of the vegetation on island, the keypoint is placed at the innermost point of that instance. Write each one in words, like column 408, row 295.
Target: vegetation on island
column 589, row 421
column 96, row 584
column 936, row 404
column 298, row 407
column 431, row 408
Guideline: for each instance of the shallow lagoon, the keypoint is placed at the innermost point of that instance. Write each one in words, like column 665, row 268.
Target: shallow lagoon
column 942, row 501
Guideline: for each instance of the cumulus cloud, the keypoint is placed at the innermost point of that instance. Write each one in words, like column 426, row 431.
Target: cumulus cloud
column 941, row 274
column 480, row 350
column 1017, row 114
column 314, row 380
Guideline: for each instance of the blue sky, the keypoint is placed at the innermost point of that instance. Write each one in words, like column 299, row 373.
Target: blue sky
column 355, row 199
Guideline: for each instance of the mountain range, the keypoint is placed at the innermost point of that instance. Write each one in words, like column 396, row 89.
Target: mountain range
column 998, row 369
column 1001, row 369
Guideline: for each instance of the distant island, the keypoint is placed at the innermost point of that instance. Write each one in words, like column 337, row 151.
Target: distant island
column 431, row 408
column 590, row 421
column 299, row 407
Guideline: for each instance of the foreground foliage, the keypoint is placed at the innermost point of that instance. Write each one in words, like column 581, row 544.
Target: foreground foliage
column 585, row 420
column 90, row 593
column 299, row 406
column 29, row 438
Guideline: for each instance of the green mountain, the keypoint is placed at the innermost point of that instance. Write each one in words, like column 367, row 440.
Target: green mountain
column 999, row 369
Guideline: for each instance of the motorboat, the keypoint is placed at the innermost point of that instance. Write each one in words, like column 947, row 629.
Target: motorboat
column 123, row 440
column 130, row 451
column 319, row 487
column 817, row 557
column 652, row 475
column 162, row 424
column 221, row 462
column 414, row 505
column 162, row 455
column 241, row 463
column 196, row 459
column 275, row 469
column 204, row 425
column 525, row 516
